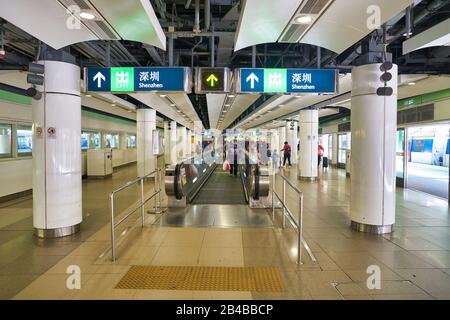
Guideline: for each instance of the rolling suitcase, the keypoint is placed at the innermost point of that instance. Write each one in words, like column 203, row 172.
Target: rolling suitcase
column 325, row 162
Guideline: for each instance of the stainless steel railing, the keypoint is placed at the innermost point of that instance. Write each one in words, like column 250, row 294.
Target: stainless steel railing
column 157, row 174
column 287, row 213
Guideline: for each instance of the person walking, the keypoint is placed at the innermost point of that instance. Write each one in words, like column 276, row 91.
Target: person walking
column 320, row 151
column 287, row 153
column 234, row 162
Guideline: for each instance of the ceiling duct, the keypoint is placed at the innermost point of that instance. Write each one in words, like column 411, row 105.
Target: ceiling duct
column 295, row 30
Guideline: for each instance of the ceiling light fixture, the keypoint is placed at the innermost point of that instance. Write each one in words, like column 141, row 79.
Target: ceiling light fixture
column 411, row 83
column 304, row 19
column 87, row 15
column 163, row 95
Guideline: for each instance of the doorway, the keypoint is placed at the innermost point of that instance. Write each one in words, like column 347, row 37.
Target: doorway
column 427, row 164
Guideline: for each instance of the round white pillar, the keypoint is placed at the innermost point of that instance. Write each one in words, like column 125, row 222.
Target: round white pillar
column 146, row 123
column 281, row 137
column 309, row 139
column 292, row 139
column 188, row 144
column 374, row 125
column 170, row 142
column 57, row 204
column 181, row 144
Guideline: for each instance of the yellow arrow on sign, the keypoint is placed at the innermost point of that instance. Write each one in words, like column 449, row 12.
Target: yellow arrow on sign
column 212, row 78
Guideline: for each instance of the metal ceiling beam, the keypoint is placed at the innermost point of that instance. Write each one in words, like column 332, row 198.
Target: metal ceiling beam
column 154, row 54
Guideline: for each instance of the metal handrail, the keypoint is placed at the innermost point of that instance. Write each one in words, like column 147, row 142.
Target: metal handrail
column 287, row 213
column 157, row 174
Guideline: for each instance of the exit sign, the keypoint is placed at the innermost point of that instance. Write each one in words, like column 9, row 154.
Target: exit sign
column 212, row 80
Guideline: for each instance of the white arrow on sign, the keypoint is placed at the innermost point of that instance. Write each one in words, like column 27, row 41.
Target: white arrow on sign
column 99, row 77
column 252, row 78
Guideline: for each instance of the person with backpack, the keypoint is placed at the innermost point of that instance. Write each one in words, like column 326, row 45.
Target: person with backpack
column 287, row 153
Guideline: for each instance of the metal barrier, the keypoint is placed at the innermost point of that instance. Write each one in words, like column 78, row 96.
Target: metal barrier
column 288, row 214
column 157, row 174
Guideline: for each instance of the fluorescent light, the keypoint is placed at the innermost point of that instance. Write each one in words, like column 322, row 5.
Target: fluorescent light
column 304, row 19
column 163, row 95
column 227, row 105
column 87, row 16
column 411, row 83
column 88, row 96
column 231, row 96
column 173, row 105
column 113, row 104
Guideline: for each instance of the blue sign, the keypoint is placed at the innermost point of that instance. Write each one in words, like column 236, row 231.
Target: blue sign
column 252, row 80
column 124, row 79
column 98, row 79
column 311, row 81
column 159, row 79
column 287, row 81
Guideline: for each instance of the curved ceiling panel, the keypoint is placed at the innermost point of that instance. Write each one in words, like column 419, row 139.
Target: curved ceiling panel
column 342, row 25
column 133, row 20
column 51, row 22
column 262, row 21
column 46, row 20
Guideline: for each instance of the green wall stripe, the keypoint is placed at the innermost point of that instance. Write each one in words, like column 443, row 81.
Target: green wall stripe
column 102, row 117
column 15, row 98
column 424, row 98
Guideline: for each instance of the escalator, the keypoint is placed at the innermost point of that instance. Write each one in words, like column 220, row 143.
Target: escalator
column 221, row 188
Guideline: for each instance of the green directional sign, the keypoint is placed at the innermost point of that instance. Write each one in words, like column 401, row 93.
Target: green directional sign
column 275, row 80
column 212, row 80
column 122, row 79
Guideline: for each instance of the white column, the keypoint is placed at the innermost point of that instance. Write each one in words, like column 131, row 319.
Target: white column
column 281, row 137
column 335, row 149
column 57, row 204
column 181, row 143
column 274, row 141
column 188, row 144
column 374, row 124
column 309, row 139
column 292, row 139
column 146, row 123
column 170, row 142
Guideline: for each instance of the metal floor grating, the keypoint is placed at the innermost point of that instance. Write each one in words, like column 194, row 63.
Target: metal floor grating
column 254, row 279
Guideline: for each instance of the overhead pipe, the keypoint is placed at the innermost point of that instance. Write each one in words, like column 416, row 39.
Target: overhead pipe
column 253, row 56
column 319, row 57
column 408, row 22
column 197, row 17
column 170, row 51
column 187, row 5
column 207, row 15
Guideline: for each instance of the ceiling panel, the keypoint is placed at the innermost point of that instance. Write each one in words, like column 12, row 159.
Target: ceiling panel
column 161, row 105
column 262, row 21
column 51, row 22
column 214, row 103
column 185, row 105
column 240, row 104
column 343, row 24
column 133, row 20
column 439, row 35
column 45, row 20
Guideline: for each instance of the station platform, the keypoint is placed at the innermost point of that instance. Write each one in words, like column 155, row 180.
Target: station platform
column 414, row 260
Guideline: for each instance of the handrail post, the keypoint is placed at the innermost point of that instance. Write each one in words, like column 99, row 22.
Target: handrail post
column 142, row 202
column 284, row 203
column 273, row 196
column 113, row 241
column 300, row 231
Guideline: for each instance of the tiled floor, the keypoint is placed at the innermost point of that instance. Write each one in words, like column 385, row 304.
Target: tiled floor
column 414, row 260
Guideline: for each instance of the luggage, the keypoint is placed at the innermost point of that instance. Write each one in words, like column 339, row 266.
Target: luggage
column 226, row 166
column 325, row 162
